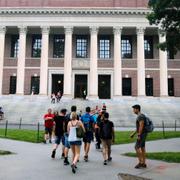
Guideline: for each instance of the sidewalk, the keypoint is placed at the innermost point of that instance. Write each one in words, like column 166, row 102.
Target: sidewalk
column 32, row 162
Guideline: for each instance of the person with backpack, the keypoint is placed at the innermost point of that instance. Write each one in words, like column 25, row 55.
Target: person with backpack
column 59, row 120
column 141, row 136
column 107, row 137
column 88, row 122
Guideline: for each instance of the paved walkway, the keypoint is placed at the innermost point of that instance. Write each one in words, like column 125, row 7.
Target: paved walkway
column 32, row 162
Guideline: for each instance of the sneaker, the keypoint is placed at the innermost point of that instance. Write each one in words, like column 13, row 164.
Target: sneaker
column 143, row 165
column 66, row 162
column 73, row 168
column 110, row 159
column 62, row 156
column 86, row 158
column 53, row 154
column 105, row 162
column 138, row 166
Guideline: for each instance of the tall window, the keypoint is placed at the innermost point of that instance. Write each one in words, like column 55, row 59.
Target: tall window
column 126, row 47
column 14, row 46
column 36, row 46
column 81, row 46
column 58, row 50
column 104, row 47
column 148, row 47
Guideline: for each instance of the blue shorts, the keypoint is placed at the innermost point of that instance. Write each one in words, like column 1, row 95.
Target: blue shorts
column 88, row 137
column 77, row 143
column 58, row 139
column 65, row 141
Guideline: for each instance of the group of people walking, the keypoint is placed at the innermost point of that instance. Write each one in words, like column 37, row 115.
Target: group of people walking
column 63, row 126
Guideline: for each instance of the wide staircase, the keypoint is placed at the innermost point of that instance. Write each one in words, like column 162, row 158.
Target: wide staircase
column 30, row 109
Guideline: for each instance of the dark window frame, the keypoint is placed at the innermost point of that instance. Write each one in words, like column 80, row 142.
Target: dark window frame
column 126, row 47
column 36, row 46
column 148, row 47
column 104, row 47
column 58, row 47
column 81, row 46
column 14, row 46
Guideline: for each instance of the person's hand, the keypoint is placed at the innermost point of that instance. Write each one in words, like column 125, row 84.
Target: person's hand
column 138, row 137
column 132, row 135
column 113, row 141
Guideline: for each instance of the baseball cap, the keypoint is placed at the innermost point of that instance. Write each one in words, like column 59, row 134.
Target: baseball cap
column 136, row 106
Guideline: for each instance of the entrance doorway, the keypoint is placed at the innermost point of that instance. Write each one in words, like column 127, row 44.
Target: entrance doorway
column 80, row 86
column 57, row 83
column 104, row 86
column 149, row 86
column 12, row 88
column 126, row 87
column 35, row 85
column 170, row 86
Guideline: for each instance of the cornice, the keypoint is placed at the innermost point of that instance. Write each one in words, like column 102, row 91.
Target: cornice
column 74, row 11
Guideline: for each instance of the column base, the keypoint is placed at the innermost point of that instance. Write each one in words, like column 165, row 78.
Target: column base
column 20, row 94
column 66, row 97
column 92, row 98
column 117, row 98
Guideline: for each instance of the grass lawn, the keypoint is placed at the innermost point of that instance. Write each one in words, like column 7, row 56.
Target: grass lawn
column 124, row 136
column 173, row 157
column 5, row 152
column 121, row 137
column 22, row 135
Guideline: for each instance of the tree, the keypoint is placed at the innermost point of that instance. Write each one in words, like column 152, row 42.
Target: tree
column 166, row 14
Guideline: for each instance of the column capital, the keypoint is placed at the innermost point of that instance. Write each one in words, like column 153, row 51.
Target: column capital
column 68, row 29
column 45, row 29
column 22, row 29
column 2, row 29
column 94, row 29
column 117, row 30
column 140, row 30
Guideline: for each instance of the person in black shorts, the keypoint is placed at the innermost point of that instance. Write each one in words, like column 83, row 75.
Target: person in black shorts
column 141, row 136
column 59, row 130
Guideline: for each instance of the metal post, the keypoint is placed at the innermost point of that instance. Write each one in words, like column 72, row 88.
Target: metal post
column 6, row 128
column 175, row 125
column 20, row 123
column 163, row 129
column 38, row 132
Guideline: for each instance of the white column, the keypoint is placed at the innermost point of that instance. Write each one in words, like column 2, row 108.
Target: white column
column 21, row 61
column 68, row 63
column 117, row 63
column 44, row 61
column 140, row 62
column 2, row 44
column 93, row 86
column 163, row 67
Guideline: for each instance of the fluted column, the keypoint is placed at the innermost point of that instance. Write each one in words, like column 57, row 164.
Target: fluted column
column 93, row 90
column 117, row 63
column 68, row 63
column 140, row 62
column 21, row 61
column 163, row 67
column 2, row 44
column 44, row 61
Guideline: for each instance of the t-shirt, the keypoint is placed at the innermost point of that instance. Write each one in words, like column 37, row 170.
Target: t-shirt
column 106, row 128
column 88, row 121
column 140, row 117
column 59, row 125
column 49, row 123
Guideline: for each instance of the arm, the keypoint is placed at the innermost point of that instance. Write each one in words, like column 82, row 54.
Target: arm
column 68, row 127
column 141, row 127
column 113, row 135
column 81, row 124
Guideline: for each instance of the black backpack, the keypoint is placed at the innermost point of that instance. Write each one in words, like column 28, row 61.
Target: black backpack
column 149, row 127
column 106, row 130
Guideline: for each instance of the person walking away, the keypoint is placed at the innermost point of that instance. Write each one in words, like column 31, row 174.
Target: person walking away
column 1, row 113
column 74, row 141
column 107, row 137
column 48, row 118
column 141, row 137
column 65, row 138
column 59, row 121
column 88, row 123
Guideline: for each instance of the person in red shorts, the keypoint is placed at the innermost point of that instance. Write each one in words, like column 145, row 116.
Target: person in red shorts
column 48, row 123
